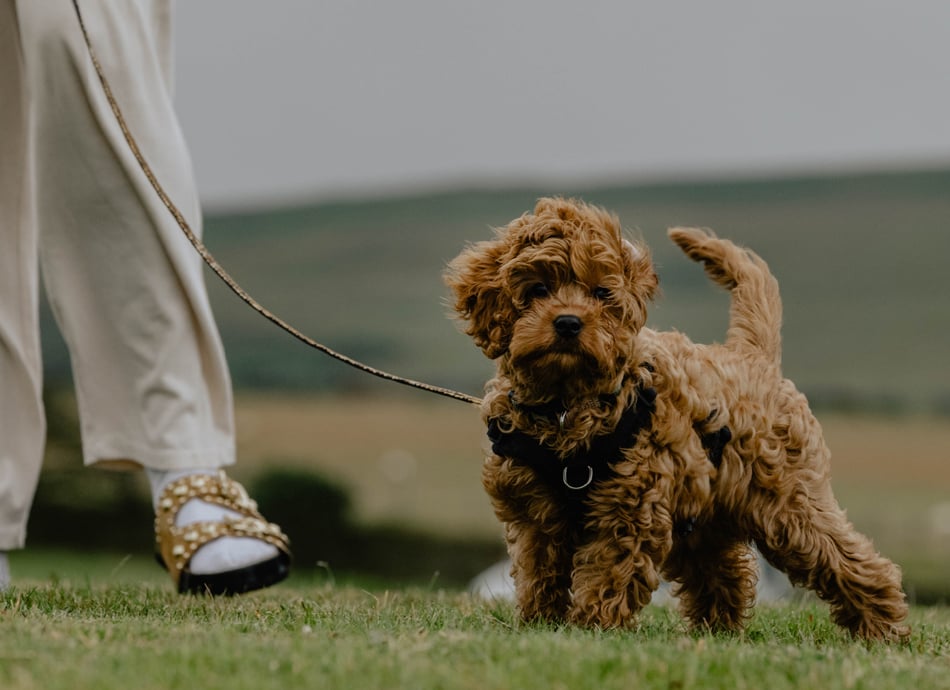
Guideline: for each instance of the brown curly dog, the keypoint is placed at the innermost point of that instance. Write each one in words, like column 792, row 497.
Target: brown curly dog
column 621, row 454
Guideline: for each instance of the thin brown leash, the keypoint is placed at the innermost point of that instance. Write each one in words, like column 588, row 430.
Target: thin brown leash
column 219, row 270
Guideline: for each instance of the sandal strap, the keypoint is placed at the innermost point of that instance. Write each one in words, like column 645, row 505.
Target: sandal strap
column 177, row 545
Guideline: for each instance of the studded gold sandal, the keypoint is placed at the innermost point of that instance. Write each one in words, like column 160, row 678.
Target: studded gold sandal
column 176, row 545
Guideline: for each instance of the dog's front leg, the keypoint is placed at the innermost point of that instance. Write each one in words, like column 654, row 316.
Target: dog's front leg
column 628, row 536
column 537, row 536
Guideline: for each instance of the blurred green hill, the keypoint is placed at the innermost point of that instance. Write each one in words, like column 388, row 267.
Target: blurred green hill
column 861, row 259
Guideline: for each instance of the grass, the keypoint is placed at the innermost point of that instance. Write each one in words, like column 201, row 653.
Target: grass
column 860, row 261
column 337, row 636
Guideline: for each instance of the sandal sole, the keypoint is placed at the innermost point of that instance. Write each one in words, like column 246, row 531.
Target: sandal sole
column 240, row 581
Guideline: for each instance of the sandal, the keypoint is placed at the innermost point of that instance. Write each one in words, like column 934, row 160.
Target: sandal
column 176, row 545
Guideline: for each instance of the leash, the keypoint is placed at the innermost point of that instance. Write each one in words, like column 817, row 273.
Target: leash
column 219, row 270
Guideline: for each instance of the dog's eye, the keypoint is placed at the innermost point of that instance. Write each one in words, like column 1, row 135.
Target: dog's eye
column 601, row 293
column 537, row 291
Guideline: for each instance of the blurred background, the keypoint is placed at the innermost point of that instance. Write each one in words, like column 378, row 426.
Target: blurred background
column 346, row 151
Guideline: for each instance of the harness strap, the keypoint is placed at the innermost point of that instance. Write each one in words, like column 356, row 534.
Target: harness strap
column 574, row 475
column 714, row 442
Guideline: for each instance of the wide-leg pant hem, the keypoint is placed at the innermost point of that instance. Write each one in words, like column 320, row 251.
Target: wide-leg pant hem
column 118, row 451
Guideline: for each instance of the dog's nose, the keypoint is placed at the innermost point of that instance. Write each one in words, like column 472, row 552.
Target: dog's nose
column 568, row 325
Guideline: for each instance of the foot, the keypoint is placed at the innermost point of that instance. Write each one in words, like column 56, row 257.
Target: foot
column 232, row 550
column 494, row 583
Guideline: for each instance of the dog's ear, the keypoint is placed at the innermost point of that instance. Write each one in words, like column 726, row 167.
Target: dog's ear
column 643, row 277
column 481, row 299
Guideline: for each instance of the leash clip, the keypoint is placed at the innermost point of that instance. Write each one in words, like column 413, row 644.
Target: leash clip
column 567, row 482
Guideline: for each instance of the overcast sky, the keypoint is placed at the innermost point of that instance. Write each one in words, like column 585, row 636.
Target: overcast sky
column 295, row 99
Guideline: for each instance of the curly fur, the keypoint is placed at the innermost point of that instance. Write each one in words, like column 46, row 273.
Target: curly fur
column 771, row 486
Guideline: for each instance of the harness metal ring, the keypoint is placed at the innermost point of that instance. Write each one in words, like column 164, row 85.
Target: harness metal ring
column 567, row 483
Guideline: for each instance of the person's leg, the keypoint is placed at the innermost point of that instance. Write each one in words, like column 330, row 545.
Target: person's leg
column 125, row 286
column 126, row 289
column 22, row 424
column 4, row 571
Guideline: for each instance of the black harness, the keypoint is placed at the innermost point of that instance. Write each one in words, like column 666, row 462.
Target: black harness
column 575, row 474
column 571, row 478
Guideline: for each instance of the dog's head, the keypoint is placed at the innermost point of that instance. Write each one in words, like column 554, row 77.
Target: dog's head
column 557, row 297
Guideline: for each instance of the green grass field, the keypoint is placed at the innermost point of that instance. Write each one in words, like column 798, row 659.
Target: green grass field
column 862, row 265
column 76, row 636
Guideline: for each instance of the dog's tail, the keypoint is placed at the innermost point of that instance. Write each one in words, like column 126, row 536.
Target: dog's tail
column 755, row 315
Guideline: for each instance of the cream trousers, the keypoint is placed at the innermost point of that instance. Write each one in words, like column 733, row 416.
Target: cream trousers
column 126, row 288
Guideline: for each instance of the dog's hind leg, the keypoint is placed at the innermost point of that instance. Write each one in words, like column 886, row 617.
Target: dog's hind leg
column 813, row 542
column 715, row 575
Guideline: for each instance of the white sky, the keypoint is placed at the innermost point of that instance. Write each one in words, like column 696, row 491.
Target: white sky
column 296, row 99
